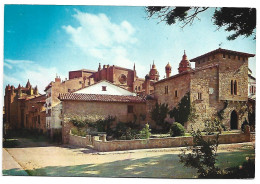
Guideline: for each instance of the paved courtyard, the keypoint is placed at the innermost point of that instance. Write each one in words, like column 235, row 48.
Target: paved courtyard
column 44, row 159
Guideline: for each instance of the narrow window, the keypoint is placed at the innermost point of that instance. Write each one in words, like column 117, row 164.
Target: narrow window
column 130, row 109
column 238, row 57
column 232, row 87
column 198, row 62
column 244, row 59
column 135, row 88
column 69, row 90
column 139, row 88
column 104, row 88
column 224, row 56
column 176, row 93
column 199, row 96
column 235, row 87
column 228, row 56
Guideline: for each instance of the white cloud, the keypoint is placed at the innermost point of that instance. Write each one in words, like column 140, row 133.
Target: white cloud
column 99, row 37
column 22, row 70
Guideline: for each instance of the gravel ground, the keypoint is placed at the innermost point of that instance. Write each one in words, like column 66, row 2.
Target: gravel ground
column 53, row 160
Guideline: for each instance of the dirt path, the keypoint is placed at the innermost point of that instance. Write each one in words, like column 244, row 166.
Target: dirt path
column 68, row 161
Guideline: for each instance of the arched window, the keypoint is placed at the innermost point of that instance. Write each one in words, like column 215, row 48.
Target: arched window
column 235, row 87
column 232, row 86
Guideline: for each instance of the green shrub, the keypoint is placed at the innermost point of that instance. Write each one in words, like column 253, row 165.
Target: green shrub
column 79, row 132
column 145, row 133
column 243, row 125
column 177, row 130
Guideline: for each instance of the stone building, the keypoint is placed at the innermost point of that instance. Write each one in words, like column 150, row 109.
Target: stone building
column 15, row 106
column 123, row 77
column 219, row 82
column 99, row 101
column 35, row 116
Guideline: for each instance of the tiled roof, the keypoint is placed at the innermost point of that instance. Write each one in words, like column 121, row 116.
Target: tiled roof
column 100, row 98
column 219, row 50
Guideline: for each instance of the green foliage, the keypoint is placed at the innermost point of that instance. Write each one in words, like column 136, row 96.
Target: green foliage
column 213, row 125
column 79, row 122
column 79, row 132
column 251, row 119
column 159, row 113
column 220, row 113
column 239, row 21
column 243, row 125
column 202, row 156
column 246, row 170
column 145, row 133
column 184, row 111
column 177, row 130
column 104, row 125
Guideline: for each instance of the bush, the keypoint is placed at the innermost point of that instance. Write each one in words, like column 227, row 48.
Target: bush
column 79, row 132
column 177, row 130
column 243, row 125
column 145, row 133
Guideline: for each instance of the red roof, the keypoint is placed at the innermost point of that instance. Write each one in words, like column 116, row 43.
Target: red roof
column 219, row 50
column 100, row 98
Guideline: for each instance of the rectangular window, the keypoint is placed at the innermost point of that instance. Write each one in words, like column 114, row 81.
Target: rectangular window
column 228, row 56
column 104, row 88
column 224, row 56
column 166, row 90
column 69, row 90
column 199, row 96
column 176, row 93
column 238, row 57
column 130, row 109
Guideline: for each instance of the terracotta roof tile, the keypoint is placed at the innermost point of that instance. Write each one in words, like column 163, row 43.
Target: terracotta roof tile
column 100, row 98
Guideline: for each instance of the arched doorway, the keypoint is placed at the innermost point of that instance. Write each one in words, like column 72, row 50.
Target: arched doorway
column 233, row 120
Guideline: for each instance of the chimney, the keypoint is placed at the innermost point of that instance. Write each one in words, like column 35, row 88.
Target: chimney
column 57, row 79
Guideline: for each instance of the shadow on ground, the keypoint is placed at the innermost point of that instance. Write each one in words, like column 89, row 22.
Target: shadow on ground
column 165, row 166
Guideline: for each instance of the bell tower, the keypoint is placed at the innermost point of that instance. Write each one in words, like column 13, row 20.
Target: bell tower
column 154, row 74
column 184, row 64
column 168, row 70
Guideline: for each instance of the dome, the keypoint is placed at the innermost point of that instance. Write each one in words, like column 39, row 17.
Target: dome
column 168, row 66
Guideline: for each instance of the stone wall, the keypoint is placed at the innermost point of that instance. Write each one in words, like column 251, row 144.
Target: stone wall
column 179, row 83
column 103, row 109
column 79, row 141
column 119, row 145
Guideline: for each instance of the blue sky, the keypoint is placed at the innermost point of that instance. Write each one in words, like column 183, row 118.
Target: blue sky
column 41, row 41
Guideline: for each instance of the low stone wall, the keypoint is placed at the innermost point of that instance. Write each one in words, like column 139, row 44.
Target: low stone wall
column 118, row 145
column 79, row 141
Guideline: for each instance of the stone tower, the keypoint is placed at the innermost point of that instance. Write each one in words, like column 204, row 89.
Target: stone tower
column 184, row 64
column 154, row 74
column 168, row 70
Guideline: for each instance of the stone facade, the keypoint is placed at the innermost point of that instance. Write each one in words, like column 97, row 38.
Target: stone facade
column 219, row 77
column 15, row 104
column 99, row 110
